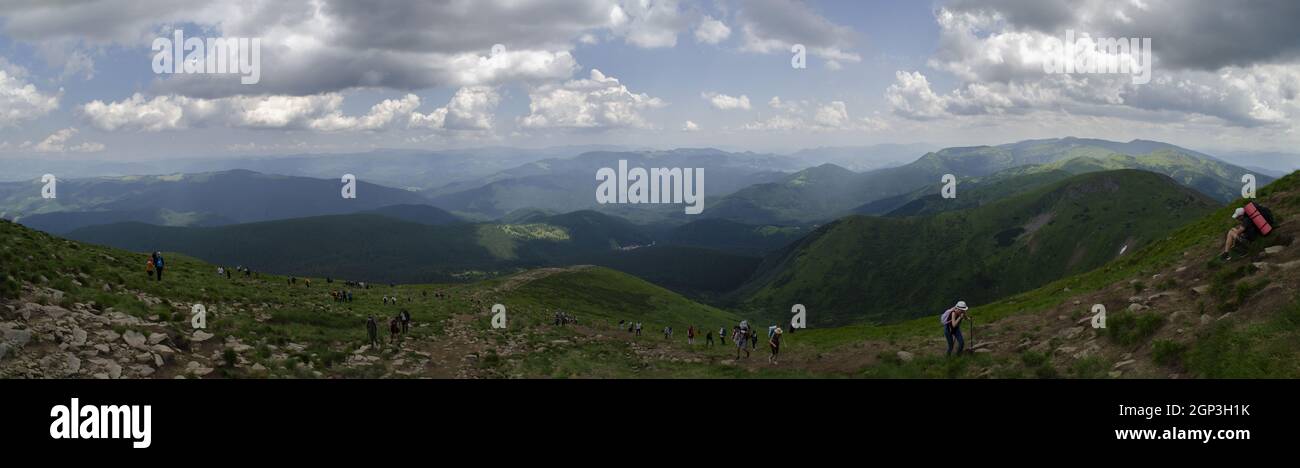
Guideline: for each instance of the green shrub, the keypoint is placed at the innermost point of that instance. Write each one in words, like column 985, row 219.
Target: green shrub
column 1168, row 353
column 1128, row 328
column 1033, row 359
column 1088, row 368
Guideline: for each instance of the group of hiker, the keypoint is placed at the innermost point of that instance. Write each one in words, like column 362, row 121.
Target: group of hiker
column 154, row 266
column 562, row 318
column 341, row 295
column 743, row 337
column 398, row 325
column 226, row 272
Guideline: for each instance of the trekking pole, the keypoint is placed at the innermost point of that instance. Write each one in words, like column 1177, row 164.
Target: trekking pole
column 972, row 335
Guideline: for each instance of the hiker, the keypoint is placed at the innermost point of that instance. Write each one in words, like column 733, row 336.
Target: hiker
column 708, row 339
column 951, row 320
column 148, row 268
column 666, row 334
column 158, row 264
column 221, row 271
column 690, row 335
column 738, row 337
column 722, row 335
column 372, row 329
column 1254, row 221
column 753, row 340
column 774, row 341
column 394, row 329
column 406, row 321
column 227, row 274
column 638, row 329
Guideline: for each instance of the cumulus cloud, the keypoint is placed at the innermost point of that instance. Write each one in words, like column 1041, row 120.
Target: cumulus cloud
column 596, row 102
column 774, row 26
column 59, row 142
column 312, row 47
column 997, row 50
column 690, row 126
column 470, row 108
column 649, row 23
column 805, row 116
column 19, row 100
column 711, row 31
column 725, row 102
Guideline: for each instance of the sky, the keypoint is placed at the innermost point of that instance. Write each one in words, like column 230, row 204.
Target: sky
column 78, row 78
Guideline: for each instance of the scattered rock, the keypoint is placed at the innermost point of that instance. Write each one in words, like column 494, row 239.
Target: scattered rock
column 155, row 338
column 1224, row 316
column 1134, row 307
column 1199, row 290
column 906, row 356
column 1112, row 374
column 17, row 338
column 1205, row 319
column 1274, row 250
column 115, row 369
column 200, row 336
column 134, row 339
column 4, row 350
column 1123, row 363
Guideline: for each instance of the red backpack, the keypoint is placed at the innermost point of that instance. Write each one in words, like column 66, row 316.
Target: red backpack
column 1260, row 217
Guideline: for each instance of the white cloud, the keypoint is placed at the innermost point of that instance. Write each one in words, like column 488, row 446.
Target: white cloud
column 824, row 117
column 725, row 102
column 21, row 101
column 596, row 102
column 471, row 108
column 774, row 26
column 690, row 126
column 997, row 52
column 324, row 46
column 711, row 31
column 58, row 142
column 650, row 23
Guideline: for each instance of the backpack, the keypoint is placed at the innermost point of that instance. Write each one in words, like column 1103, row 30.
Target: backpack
column 1261, row 217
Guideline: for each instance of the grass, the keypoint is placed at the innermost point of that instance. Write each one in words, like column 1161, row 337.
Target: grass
column 1130, row 328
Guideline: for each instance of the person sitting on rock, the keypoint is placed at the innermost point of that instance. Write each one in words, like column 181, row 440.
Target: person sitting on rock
column 1253, row 221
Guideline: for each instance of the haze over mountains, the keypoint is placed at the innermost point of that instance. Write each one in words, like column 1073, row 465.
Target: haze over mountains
column 775, row 228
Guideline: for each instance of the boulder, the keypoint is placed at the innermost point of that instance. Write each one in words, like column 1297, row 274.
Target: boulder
column 134, row 339
column 200, row 336
column 17, row 338
column 1136, row 307
column 155, row 338
column 78, row 336
column 905, row 356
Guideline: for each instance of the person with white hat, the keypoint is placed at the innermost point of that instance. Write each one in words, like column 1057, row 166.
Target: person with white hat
column 951, row 320
column 1236, row 234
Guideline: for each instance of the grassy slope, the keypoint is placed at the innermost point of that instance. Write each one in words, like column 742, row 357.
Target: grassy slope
column 1263, row 348
column 886, row 269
